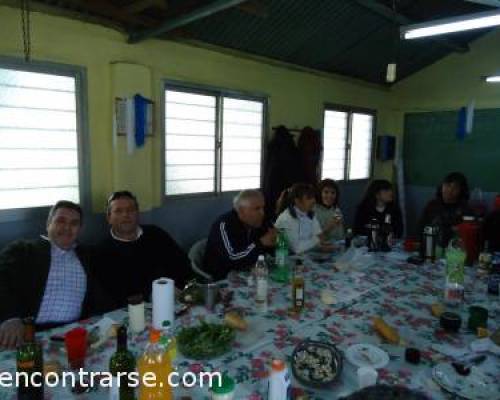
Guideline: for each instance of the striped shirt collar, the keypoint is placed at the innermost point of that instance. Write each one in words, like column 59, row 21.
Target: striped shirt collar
column 137, row 235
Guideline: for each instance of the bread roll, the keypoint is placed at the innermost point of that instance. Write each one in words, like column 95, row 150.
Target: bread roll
column 234, row 320
column 387, row 332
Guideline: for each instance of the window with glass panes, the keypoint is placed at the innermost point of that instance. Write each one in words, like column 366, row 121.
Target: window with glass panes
column 213, row 141
column 38, row 138
column 347, row 144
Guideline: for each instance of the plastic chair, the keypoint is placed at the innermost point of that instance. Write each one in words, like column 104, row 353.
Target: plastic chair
column 196, row 254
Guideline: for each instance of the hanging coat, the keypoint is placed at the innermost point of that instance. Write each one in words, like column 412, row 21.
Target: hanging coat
column 310, row 149
column 282, row 167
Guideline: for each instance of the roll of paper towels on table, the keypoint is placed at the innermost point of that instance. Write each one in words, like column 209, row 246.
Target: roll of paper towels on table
column 163, row 303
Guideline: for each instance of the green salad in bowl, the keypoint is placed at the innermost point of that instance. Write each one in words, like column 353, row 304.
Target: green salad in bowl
column 205, row 341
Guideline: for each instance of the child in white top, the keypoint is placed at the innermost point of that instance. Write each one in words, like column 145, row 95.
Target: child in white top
column 301, row 227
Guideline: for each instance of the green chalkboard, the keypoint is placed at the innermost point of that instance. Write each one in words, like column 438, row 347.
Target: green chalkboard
column 432, row 149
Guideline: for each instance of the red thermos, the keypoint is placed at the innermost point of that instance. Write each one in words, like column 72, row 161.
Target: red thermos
column 469, row 231
column 496, row 205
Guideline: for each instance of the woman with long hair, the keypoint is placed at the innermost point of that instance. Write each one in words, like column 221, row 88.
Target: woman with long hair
column 297, row 220
column 378, row 203
column 327, row 210
column 448, row 207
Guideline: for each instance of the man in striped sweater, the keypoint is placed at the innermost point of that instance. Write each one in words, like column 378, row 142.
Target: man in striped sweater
column 239, row 236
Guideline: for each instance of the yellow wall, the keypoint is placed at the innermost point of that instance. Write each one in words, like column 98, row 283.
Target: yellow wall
column 296, row 98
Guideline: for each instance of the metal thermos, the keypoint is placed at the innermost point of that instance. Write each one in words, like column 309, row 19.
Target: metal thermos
column 429, row 243
column 373, row 229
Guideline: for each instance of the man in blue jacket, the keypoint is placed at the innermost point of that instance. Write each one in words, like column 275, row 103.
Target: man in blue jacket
column 239, row 236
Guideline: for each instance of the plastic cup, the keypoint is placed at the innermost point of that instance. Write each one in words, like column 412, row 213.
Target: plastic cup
column 411, row 245
column 367, row 376
column 136, row 318
column 76, row 347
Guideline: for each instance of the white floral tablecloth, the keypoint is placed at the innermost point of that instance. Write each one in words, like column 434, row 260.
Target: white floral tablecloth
column 387, row 286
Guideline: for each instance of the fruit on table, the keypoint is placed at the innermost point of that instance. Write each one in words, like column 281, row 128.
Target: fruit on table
column 234, row 320
column 386, row 331
column 437, row 309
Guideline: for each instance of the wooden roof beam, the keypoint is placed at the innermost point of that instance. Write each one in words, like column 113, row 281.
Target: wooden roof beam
column 141, row 5
column 255, row 7
column 185, row 19
column 106, row 9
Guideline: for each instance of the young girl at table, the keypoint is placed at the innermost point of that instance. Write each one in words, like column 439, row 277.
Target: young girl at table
column 327, row 210
column 378, row 203
column 297, row 220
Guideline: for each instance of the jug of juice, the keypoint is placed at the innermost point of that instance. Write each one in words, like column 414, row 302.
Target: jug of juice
column 155, row 360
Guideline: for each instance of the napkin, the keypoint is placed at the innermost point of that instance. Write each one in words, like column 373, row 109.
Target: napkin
column 486, row 344
column 450, row 351
column 354, row 258
column 103, row 327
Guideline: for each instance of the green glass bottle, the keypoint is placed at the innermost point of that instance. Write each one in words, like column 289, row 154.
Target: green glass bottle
column 29, row 360
column 122, row 361
column 281, row 254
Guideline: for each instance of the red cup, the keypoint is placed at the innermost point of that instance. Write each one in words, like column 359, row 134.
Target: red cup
column 410, row 245
column 76, row 347
column 496, row 205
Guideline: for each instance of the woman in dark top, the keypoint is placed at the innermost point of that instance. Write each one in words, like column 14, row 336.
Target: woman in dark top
column 448, row 207
column 378, row 203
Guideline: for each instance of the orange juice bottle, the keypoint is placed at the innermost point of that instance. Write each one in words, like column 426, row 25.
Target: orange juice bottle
column 156, row 361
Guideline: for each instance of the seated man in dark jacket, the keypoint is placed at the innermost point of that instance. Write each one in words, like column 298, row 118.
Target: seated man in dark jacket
column 48, row 279
column 238, row 237
column 132, row 256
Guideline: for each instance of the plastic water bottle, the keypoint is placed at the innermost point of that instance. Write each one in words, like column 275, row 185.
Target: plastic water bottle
column 261, row 284
column 280, row 387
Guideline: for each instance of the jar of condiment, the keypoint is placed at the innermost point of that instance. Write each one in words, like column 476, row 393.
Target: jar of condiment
column 485, row 259
column 224, row 391
column 494, row 278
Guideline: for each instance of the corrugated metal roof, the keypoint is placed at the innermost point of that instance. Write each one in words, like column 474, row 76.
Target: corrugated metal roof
column 350, row 37
column 339, row 36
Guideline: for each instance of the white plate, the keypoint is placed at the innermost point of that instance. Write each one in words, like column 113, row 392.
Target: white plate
column 476, row 386
column 246, row 340
column 367, row 355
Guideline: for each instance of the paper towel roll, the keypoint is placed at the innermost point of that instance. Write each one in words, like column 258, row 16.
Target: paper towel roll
column 163, row 302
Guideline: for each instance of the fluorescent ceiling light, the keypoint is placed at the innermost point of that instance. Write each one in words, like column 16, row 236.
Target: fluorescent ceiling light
column 450, row 25
column 493, row 79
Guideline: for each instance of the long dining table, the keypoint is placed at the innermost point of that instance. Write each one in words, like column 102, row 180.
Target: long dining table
column 379, row 284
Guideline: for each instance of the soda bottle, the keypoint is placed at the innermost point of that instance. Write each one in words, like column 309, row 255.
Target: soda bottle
column 156, row 361
column 281, row 253
column 455, row 260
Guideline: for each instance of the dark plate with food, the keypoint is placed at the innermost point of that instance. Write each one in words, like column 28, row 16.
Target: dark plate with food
column 205, row 341
column 316, row 364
